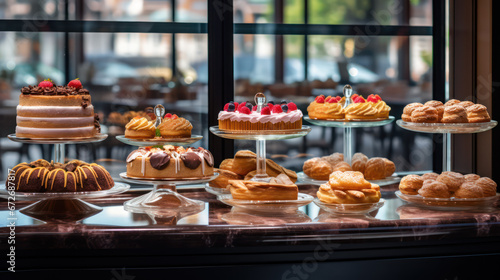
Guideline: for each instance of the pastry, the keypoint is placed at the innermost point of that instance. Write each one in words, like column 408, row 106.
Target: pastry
column 408, row 110
column 244, row 162
column 244, row 116
column 326, row 108
column 434, row 189
column 317, row 169
column 382, row 108
column 222, row 181
column 469, row 190
column 452, row 179
column 250, row 190
column 140, row 128
column 360, row 110
column 390, row 167
column 454, row 114
column 375, row 169
column 358, row 162
column 477, row 113
column 488, row 186
column 174, row 127
column 50, row 111
column 452, row 102
column 425, row 114
column 438, row 105
column 349, row 180
column 274, row 170
column 471, row 177
column 342, row 166
column 430, row 176
column 74, row 176
column 170, row 162
column 466, row 104
column 348, row 188
column 410, row 184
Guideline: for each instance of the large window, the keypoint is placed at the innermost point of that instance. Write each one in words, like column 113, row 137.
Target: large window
column 135, row 54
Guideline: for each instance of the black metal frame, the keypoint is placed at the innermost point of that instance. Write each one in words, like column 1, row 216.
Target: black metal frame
column 495, row 81
column 221, row 28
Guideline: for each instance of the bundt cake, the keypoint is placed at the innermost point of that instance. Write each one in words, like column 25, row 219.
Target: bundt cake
column 74, row 176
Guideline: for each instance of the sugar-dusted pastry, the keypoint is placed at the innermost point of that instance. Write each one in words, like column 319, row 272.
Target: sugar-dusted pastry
column 382, row 108
column 469, row 190
column 438, row 105
column 348, row 180
column 452, row 179
column 434, row 189
column 244, row 162
column 375, row 169
column 408, row 110
column 410, row 184
column 222, row 181
column 452, row 102
column 328, row 195
column 174, row 127
column 358, row 162
column 250, row 190
column 360, row 110
column 466, row 104
column 430, row 176
column 471, row 177
column 478, row 113
column 140, row 128
column 454, row 114
column 317, row 169
column 489, row 186
column 334, row 158
column 326, row 108
column 425, row 114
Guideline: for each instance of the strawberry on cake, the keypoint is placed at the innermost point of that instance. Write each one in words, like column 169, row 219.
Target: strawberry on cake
column 245, row 116
column 50, row 111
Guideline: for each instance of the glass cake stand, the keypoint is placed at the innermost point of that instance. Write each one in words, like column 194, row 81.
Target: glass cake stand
column 61, row 206
column 447, row 129
column 59, row 143
column 349, row 125
column 164, row 200
column 356, row 209
column 302, row 177
column 159, row 141
column 449, row 203
column 267, row 206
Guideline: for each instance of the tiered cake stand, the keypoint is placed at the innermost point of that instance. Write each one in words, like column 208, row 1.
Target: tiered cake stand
column 260, row 137
column 348, row 139
column 164, row 200
column 61, row 207
column 447, row 129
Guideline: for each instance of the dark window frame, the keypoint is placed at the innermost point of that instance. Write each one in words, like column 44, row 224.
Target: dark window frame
column 220, row 28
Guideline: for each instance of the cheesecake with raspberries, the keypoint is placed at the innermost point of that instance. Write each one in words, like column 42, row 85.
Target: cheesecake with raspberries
column 245, row 116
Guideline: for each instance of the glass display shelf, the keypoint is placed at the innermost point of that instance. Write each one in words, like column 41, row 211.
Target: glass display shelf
column 303, row 178
column 61, row 207
column 242, row 216
column 267, row 205
column 360, row 208
column 451, row 204
column 159, row 141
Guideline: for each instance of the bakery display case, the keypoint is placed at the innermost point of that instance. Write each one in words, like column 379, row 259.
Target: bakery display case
column 248, row 139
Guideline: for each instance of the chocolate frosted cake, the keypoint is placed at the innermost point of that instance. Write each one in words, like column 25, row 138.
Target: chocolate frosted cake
column 50, row 111
column 170, row 162
column 74, row 176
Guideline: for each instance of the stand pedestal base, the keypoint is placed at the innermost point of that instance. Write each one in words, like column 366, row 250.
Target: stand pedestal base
column 60, row 210
column 164, row 201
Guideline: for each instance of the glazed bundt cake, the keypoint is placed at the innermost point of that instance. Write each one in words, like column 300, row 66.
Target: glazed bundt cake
column 74, row 176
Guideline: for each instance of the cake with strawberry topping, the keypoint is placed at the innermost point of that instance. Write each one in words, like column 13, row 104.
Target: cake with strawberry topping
column 327, row 108
column 270, row 116
column 372, row 108
column 173, row 126
column 51, row 111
